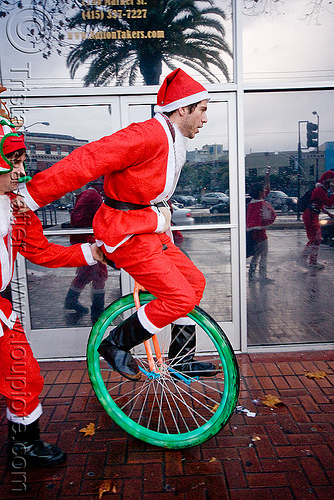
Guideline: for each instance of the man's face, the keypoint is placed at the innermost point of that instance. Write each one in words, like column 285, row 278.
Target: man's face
column 192, row 122
column 9, row 182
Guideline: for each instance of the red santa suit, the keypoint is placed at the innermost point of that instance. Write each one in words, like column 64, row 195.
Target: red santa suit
column 260, row 215
column 20, row 379
column 319, row 199
column 141, row 166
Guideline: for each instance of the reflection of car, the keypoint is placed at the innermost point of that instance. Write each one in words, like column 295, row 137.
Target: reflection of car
column 186, row 200
column 209, row 199
column 182, row 216
column 327, row 228
column 176, row 203
column 281, row 201
column 221, row 208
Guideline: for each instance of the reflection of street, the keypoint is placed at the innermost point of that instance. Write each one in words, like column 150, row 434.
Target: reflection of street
column 297, row 307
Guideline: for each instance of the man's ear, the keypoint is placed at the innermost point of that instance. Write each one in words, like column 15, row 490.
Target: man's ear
column 182, row 111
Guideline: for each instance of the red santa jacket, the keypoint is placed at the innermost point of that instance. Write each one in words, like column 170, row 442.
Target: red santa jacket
column 25, row 236
column 86, row 205
column 138, row 163
column 260, row 215
column 320, row 198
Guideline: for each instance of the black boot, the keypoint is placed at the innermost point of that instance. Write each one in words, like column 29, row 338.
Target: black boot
column 182, row 351
column 72, row 302
column 26, row 449
column 115, row 349
column 97, row 305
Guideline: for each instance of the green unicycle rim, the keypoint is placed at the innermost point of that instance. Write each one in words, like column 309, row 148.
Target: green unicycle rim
column 177, row 440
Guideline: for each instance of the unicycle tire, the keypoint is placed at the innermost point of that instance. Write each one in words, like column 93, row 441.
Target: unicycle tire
column 168, row 408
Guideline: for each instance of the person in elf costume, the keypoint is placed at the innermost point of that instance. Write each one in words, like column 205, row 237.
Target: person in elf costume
column 20, row 379
column 260, row 215
column 322, row 196
column 141, row 164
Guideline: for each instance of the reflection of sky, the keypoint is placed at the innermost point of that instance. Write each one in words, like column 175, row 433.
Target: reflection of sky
column 280, row 46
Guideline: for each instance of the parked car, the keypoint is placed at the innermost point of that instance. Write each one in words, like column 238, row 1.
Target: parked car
column 327, row 228
column 209, row 199
column 182, row 216
column 186, row 200
column 176, row 203
column 281, row 201
column 221, row 208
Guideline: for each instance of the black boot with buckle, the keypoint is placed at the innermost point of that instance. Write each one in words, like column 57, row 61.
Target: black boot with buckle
column 182, row 351
column 115, row 349
column 26, row 449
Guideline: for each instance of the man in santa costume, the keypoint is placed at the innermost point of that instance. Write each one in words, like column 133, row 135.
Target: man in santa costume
column 322, row 196
column 20, row 379
column 141, row 165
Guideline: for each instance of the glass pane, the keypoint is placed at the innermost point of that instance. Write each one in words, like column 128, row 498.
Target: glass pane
column 201, row 195
column 210, row 250
column 113, row 44
column 290, row 41
column 68, row 297
column 292, row 308
column 59, row 130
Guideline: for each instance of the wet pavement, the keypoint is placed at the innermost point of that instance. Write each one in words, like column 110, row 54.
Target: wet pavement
column 281, row 453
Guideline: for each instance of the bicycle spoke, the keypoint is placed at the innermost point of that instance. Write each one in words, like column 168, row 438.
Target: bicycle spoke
column 169, row 407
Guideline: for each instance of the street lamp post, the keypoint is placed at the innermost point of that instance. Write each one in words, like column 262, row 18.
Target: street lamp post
column 25, row 128
column 317, row 160
column 299, row 164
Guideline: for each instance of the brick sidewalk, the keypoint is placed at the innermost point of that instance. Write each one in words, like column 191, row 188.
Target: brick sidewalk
column 282, row 453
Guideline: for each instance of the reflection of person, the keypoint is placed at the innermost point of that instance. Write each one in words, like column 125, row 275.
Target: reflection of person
column 322, row 196
column 20, row 379
column 82, row 215
column 260, row 215
column 141, row 164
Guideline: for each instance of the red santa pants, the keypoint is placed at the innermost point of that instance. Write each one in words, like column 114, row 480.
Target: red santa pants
column 96, row 274
column 20, row 379
column 166, row 272
column 313, row 231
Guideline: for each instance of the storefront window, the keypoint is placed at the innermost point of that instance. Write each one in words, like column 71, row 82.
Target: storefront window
column 287, row 41
column 291, row 305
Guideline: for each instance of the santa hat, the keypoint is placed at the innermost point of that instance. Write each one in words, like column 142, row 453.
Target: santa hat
column 178, row 90
column 326, row 176
column 10, row 141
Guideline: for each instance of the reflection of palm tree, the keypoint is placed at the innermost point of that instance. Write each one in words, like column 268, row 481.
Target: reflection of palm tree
column 193, row 34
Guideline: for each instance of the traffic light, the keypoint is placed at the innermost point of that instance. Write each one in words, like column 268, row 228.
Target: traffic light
column 312, row 135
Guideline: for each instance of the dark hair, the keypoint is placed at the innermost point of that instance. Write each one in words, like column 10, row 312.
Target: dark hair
column 191, row 108
column 256, row 190
column 14, row 155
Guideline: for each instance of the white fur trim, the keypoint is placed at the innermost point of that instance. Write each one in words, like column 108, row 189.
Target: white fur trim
column 86, row 250
column 112, row 249
column 5, row 214
column 185, row 101
column 29, row 419
column 30, row 202
column 145, row 322
column 184, row 321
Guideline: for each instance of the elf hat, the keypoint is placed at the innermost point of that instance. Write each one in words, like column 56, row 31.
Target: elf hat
column 326, row 176
column 10, row 141
column 178, row 90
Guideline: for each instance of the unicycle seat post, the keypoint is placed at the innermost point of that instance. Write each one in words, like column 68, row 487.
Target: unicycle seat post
column 148, row 349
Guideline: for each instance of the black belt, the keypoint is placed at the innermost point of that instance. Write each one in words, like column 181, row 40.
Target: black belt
column 125, row 206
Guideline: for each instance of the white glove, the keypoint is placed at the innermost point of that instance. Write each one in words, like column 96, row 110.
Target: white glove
column 168, row 216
